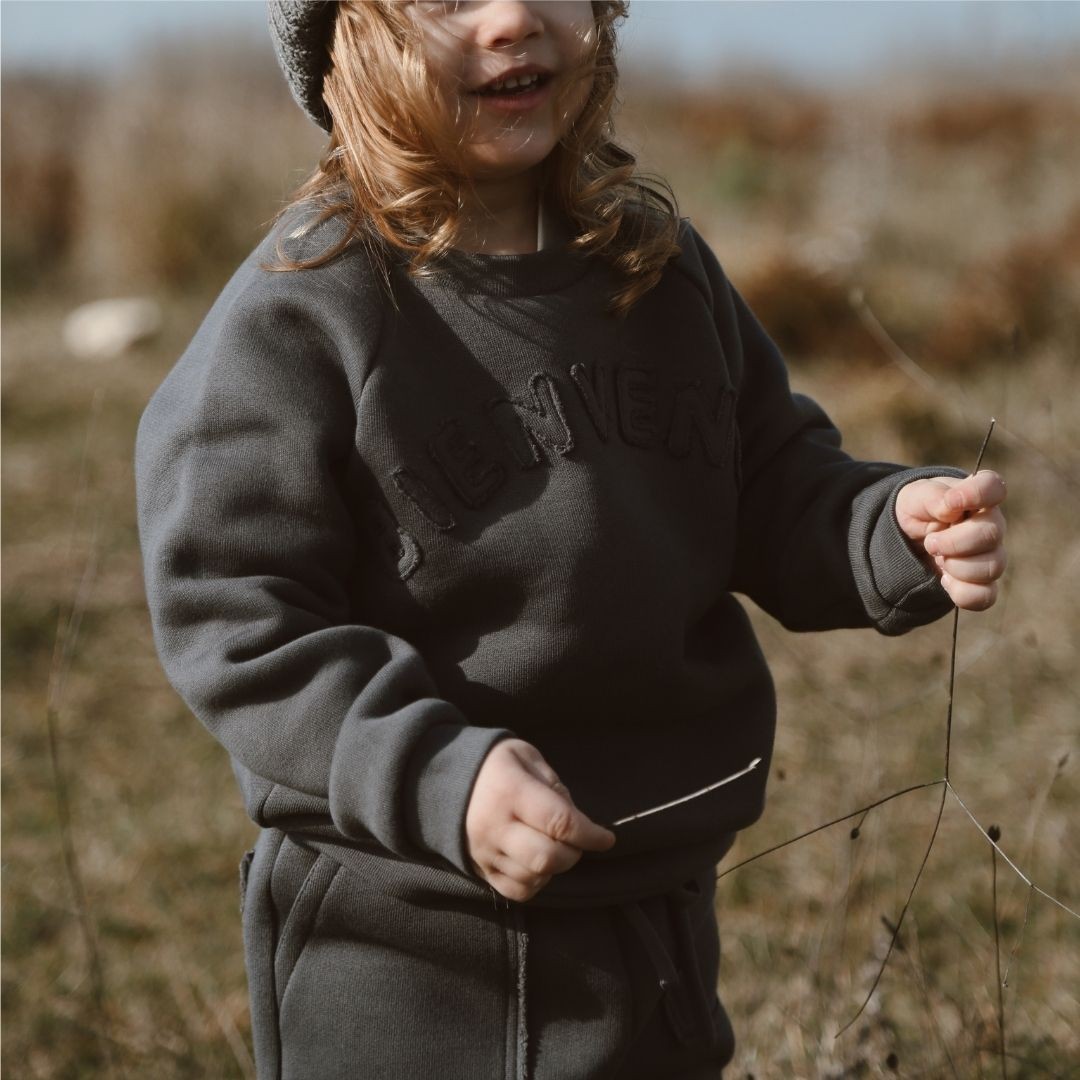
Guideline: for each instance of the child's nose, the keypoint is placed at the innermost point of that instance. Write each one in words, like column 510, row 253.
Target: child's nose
column 505, row 22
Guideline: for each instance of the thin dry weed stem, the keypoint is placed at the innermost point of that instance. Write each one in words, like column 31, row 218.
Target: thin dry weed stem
column 827, row 825
column 221, row 1018
column 67, row 634
column 900, row 921
column 945, row 784
column 955, row 397
column 188, row 1008
column 1020, row 873
column 1040, row 805
column 997, row 964
column 915, row 962
column 1020, row 936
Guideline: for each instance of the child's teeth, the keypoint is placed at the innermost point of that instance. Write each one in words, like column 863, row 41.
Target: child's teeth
column 513, row 83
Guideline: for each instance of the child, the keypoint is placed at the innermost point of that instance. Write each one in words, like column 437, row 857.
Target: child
column 442, row 511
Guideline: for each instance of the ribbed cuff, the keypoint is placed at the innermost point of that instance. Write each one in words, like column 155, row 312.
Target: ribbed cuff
column 898, row 590
column 442, row 770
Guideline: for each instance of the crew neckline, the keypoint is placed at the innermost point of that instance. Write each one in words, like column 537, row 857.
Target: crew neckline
column 528, row 274
column 553, row 266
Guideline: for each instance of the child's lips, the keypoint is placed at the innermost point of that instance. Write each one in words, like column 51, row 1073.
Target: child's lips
column 521, row 102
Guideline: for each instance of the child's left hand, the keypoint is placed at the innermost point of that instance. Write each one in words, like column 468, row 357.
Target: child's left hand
column 960, row 526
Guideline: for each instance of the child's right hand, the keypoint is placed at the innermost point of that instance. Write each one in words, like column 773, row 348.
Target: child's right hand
column 521, row 824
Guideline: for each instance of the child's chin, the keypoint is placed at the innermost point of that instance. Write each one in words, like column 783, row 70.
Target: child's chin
column 504, row 166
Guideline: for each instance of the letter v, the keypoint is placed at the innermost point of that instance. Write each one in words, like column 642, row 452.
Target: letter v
column 594, row 394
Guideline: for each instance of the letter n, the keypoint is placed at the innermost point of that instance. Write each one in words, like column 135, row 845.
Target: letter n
column 689, row 416
column 525, row 424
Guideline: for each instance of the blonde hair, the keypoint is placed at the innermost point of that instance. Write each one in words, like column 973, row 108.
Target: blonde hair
column 394, row 168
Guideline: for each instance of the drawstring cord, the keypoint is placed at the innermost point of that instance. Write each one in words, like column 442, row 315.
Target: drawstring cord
column 522, row 948
column 517, row 937
column 684, row 995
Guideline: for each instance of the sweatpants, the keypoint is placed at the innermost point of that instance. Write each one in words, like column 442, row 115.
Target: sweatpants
column 387, row 969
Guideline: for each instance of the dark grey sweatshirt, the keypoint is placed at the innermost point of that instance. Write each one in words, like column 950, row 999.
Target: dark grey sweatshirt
column 379, row 540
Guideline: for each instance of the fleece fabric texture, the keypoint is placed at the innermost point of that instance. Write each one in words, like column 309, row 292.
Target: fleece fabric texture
column 380, row 537
column 390, row 973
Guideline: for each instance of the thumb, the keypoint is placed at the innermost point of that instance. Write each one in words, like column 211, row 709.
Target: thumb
column 548, row 807
column 588, row 835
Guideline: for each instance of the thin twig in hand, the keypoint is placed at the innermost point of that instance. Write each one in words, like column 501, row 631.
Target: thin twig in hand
column 693, row 795
column 947, row 788
column 985, row 443
column 956, row 629
column 952, row 682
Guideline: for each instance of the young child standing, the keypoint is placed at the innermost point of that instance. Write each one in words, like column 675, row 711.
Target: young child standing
column 442, row 511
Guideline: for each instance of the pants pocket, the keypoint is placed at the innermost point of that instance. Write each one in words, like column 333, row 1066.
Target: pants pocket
column 245, row 873
column 259, row 922
column 393, row 982
column 283, row 886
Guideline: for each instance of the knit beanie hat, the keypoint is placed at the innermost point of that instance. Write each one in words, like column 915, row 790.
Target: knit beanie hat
column 301, row 31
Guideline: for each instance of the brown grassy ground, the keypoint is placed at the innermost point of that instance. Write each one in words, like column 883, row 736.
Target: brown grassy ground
column 928, row 206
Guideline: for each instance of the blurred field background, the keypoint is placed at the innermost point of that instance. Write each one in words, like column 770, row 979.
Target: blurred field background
column 947, row 199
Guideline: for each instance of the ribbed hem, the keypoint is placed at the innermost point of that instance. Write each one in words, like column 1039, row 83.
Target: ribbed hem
column 897, row 589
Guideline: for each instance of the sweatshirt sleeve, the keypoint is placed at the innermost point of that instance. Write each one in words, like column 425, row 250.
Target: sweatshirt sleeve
column 248, row 550
column 818, row 545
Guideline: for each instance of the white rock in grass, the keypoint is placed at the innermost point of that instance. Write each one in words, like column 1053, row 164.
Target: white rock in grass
column 104, row 329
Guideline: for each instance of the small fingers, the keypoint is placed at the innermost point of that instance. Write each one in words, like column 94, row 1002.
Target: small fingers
column 981, row 533
column 552, row 813
column 514, row 881
column 968, row 595
column 979, row 492
column 974, row 569
column 536, row 852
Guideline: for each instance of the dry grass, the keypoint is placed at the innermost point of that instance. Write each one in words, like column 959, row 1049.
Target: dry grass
column 157, row 824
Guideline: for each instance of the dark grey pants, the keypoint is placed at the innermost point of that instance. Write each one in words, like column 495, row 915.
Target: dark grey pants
column 394, row 970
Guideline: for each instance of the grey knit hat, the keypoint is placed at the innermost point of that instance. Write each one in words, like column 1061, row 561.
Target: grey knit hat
column 301, row 31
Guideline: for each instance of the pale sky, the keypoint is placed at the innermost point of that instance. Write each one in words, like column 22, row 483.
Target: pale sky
column 809, row 39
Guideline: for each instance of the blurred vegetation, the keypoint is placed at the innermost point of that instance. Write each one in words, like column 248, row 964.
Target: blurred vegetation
column 158, row 179
column 951, row 206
